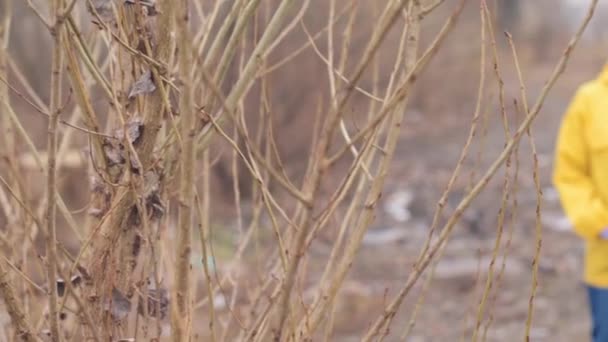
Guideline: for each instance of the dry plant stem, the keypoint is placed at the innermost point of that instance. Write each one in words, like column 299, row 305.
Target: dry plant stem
column 266, row 196
column 525, row 103
column 443, row 200
column 289, row 27
column 14, row 308
column 204, row 223
column 509, row 239
column 51, row 209
column 5, row 282
column 237, row 193
column 332, row 71
column 430, row 8
column 329, row 291
column 24, row 276
column 249, row 73
column 506, row 184
column 389, row 148
column 18, row 74
column 204, row 33
column 360, row 157
column 308, row 43
column 318, row 165
column 329, row 328
column 538, row 237
column 397, row 97
column 501, row 84
column 465, row 151
column 388, row 19
column 336, row 71
column 84, row 309
column 43, row 111
column 366, row 156
column 413, row 66
column 537, row 186
column 241, row 128
column 495, row 251
column 125, row 197
column 84, row 103
column 236, row 13
column 480, row 185
column 6, row 126
column 181, row 323
column 231, row 48
column 539, row 195
column 87, row 58
column 419, row 303
column 239, row 125
column 39, row 14
column 42, row 167
column 481, row 144
column 398, row 65
column 470, row 313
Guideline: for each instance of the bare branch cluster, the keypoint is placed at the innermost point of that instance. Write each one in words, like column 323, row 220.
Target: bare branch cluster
column 156, row 96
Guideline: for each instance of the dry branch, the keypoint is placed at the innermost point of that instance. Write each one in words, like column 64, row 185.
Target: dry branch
column 182, row 313
column 57, row 32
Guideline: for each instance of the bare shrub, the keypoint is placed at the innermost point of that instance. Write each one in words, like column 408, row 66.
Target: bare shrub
column 209, row 179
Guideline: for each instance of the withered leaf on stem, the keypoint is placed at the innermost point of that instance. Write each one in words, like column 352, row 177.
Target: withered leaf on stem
column 103, row 8
column 174, row 97
column 151, row 183
column 101, row 198
column 133, row 220
column 156, row 208
column 119, row 306
column 135, row 166
column 150, row 5
column 137, row 242
column 96, row 212
column 113, row 153
column 134, row 128
column 155, row 300
column 143, row 85
column 154, row 204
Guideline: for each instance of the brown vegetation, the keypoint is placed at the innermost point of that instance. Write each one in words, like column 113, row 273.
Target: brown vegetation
column 199, row 155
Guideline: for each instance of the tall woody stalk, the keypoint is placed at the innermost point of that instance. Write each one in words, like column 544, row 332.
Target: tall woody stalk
column 181, row 315
column 51, row 208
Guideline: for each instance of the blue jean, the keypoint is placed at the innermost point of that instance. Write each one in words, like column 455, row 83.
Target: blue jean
column 598, row 300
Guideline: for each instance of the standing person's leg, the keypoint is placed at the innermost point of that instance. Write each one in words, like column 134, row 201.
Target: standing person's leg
column 593, row 304
column 598, row 300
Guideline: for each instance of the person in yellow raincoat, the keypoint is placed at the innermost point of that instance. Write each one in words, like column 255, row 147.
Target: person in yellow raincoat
column 581, row 179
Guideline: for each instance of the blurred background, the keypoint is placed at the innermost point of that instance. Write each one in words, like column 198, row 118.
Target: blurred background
column 436, row 126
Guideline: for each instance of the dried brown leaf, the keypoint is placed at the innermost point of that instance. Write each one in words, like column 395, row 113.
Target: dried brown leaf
column 120, row 306
column 154, row 299
column 103, row 8
column 149, row 5
column 134, row 128
column 143, row 85
column 113, row 154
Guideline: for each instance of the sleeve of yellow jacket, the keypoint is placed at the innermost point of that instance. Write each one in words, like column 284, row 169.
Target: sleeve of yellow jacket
column 580, row 200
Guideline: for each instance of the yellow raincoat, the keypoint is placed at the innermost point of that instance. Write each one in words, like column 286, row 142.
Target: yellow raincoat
column 581, row 173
